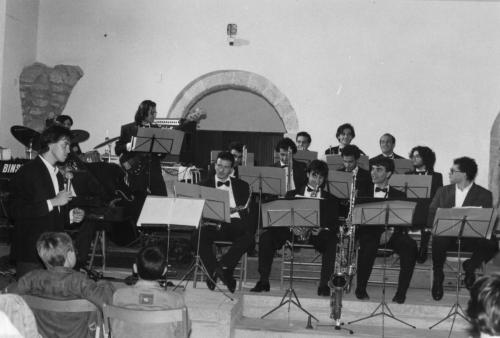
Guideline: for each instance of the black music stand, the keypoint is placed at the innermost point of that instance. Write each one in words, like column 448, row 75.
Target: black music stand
column 402, row 165
column 387, row 213
column 168, row 211
column 305, row 156
column 460, row 223
column 339, row 183
column 414, row 186
column 292, row 214
column 157, row 141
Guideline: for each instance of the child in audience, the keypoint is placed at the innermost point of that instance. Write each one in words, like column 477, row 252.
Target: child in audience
column 60, row 281
column 147, row 294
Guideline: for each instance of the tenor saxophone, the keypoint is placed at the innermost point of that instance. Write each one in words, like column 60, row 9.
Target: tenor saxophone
column 345, row 260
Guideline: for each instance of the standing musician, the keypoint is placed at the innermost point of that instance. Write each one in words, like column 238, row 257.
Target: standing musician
column 423, row 159
column 323, row 239
column 399, row 240
column 387, row 143
column 462, row 192
column 298, row 172
column 40, row 200
column 238, row 231
column 345, row 134
column 303, row 140
column 350, row 157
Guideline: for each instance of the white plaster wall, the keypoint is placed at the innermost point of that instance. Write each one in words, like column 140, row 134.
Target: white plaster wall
column 18, row 31
column 426, row 71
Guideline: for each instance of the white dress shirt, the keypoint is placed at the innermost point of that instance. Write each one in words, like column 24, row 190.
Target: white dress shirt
column 380, row 194
column 53, row 176
column 460, row 195
column 232, row 202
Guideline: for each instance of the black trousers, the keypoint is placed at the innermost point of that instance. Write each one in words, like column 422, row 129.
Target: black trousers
column 237, row 232
column 400, row 242
column 274, row 238
column 482, row 251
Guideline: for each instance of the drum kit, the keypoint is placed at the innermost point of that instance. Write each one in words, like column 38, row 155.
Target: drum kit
column 31, row 140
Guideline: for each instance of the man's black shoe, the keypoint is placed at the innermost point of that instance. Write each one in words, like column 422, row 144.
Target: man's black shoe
column 399, row 297
column 323, row 290
column 261, row 286
column 211, row 282
column 361, row 294
column 469, row 279
column 229, row 279
column 437, row 286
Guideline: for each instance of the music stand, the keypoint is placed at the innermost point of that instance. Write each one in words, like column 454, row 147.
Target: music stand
column 394, row 213
column 305, row 156
column 336, row 162
column 291, row 214
column 414, row 186
column 402, row 165
column 462, row 222
column 167, row 211
column 157, row 141
column 339, row 183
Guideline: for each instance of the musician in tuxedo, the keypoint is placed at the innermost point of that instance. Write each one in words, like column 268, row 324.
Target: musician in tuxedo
column 324, row 239
column 345, row 134
column 462, row 192
column 67, row 122
column 387, row 143
column 350, row 157
column 423, row 159
column 298, row 172
column 238, row 231
column 40, row 200
column 398, row 239
column 303, row 140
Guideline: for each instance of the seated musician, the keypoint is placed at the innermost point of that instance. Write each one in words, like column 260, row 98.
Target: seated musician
column 303, row 140
column 350, row 157
column 387, row 143
column 345, row 134
column 398, row 239
column 238, row 231
column 462, row 192
column 324, row 239
column 236, row 149
column 298, row 172
column 423, row 159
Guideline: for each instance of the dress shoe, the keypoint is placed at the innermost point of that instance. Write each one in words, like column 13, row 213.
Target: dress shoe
column 469, row 279
column 437, row 286
column 211, row 282
column 399, row 297
column 323, row 290
column 261, row 286
column 229, row 280
column 361, row 294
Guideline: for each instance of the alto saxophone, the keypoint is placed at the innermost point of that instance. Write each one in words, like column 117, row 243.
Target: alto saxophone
column 345, row 260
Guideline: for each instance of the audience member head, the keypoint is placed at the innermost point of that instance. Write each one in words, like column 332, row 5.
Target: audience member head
column 146, row 112
column 65, row 121
column 224, row 165
column 303, row 140
column 464, row 169
column 387, row 143
column 381, row 170
column 54, row 143
column 345, row 134
column 317, row 173
column 282, row 148
column 236, row 149
column 151, row 263
column 56, row 249
column 350, row 156
column 423, row 158
column 484, row 307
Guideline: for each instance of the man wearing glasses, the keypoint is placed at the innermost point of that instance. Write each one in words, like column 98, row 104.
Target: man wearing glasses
column 462, row 192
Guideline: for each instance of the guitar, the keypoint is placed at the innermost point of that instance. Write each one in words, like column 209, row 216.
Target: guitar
column 135, row 163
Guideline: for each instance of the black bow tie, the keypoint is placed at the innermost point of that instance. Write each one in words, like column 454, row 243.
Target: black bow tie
column 377, row 189
column 219, row 183
column 284, row 166
column 309, row 189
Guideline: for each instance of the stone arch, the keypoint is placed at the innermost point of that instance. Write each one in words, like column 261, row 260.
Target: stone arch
column 235, row 79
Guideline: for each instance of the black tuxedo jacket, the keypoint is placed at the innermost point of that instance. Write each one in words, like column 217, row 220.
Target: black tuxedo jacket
column 31, row 188
column 241, row 190
column 337, row 151
column 299, row 172
column 376, row 158
column 437, row 180
column 329, row 205
column 445, row 198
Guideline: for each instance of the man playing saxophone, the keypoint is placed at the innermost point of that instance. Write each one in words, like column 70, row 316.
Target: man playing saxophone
column 323, row 239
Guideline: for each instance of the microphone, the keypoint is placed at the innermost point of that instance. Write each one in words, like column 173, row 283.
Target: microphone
column 68, row 176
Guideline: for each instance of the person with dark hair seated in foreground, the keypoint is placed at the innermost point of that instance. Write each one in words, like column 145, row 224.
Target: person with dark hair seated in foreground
column 462, row 192
column 398, row 239
column 60, row 281
column 238, row 231
column 324, row 239
column 147, row 294
column 345, row 134
column 483, row 309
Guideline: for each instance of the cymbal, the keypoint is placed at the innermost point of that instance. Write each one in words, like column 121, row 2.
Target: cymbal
column 79, row 136
column 28, row 137
column 111, row 140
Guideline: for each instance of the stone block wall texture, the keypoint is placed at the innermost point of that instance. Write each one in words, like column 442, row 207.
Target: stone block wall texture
column 45, row 91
